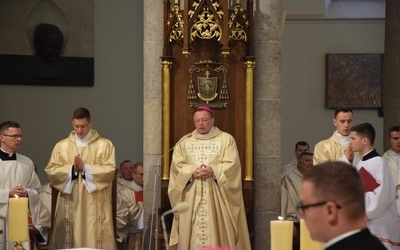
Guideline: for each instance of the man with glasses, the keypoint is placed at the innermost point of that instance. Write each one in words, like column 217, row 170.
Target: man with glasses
column 82, row 169
column 206, row 173
column 130, row 207
column 380, row 192
column 332, row 204
column 18, row 177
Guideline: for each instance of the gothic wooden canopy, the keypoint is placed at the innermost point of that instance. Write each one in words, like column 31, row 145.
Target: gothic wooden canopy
column 208, row 60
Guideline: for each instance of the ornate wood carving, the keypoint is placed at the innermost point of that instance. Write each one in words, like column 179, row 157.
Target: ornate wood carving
column 208, row 44
column 208, row 60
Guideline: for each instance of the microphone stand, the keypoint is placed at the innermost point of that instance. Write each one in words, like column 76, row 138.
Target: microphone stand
column 154, row 209
column 165, row 230
column 179, row 208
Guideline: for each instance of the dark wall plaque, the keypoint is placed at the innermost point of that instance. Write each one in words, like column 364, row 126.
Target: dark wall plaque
column 353, row 80
column 47, row 42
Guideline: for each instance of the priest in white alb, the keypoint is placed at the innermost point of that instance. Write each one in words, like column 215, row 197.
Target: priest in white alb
column 18, row 177
column 130, row 209
column 380, row 193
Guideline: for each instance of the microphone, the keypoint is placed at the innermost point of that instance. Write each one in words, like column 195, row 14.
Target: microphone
column 156, row 180
column 176, row 144
column 179, row 208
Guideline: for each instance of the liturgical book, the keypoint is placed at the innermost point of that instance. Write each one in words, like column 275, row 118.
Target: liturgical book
column 370, row 183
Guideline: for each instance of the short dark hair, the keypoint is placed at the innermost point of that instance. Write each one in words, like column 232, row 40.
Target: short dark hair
column 338, row 182
column 301, row 143
column 365, row 130
column 342, row 109
column 305, row 153
column 394, row 128
column 81, row 113
column 8, row 124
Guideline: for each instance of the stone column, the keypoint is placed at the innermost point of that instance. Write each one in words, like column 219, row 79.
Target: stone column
column 267, row 138
column 152, row 46
column 391, row 68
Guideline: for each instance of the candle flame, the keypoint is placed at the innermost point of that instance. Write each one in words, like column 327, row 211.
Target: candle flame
column 16, row 196
column 280, row 218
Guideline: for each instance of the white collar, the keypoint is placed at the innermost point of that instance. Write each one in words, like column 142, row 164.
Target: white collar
column 83, row 141
column 133, row 184
column 209, row 132
column 9, row 154
column 394, row 153
column 343, row 139
column 368, row 152
column 136, row 187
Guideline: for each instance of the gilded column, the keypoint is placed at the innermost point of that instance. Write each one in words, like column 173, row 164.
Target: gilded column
column 166, row 117
column 248, row 171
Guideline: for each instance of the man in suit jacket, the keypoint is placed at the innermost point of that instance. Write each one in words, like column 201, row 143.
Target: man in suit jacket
column 333, row 206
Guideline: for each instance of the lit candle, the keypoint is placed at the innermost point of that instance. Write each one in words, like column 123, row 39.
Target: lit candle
column 281, row 234
column 18, row 230
column 306, row 243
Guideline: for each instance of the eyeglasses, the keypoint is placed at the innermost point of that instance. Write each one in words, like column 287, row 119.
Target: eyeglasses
column 302, row 208
column 16, row 136
column 202, row 120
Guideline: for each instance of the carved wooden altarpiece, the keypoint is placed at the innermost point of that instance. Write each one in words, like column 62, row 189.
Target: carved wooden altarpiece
column 208, row 59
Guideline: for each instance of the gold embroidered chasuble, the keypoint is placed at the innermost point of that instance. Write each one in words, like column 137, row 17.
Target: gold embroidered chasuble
column 216, row 216
column 331, row 150
column 83, row 218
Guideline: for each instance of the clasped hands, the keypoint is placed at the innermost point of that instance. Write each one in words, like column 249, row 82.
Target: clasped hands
column 203, row 172
column 78, row 163
column 17, row 190
column 349, row 153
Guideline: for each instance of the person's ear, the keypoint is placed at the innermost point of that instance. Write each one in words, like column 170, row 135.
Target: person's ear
column 332, row 211
column 364, row 140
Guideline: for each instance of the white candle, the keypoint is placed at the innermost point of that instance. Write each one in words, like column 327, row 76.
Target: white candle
column 18, row 219
column 306, row 243
column 281, row 234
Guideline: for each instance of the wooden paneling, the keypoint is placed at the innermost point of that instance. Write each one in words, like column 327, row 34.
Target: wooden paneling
column 229, row 50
